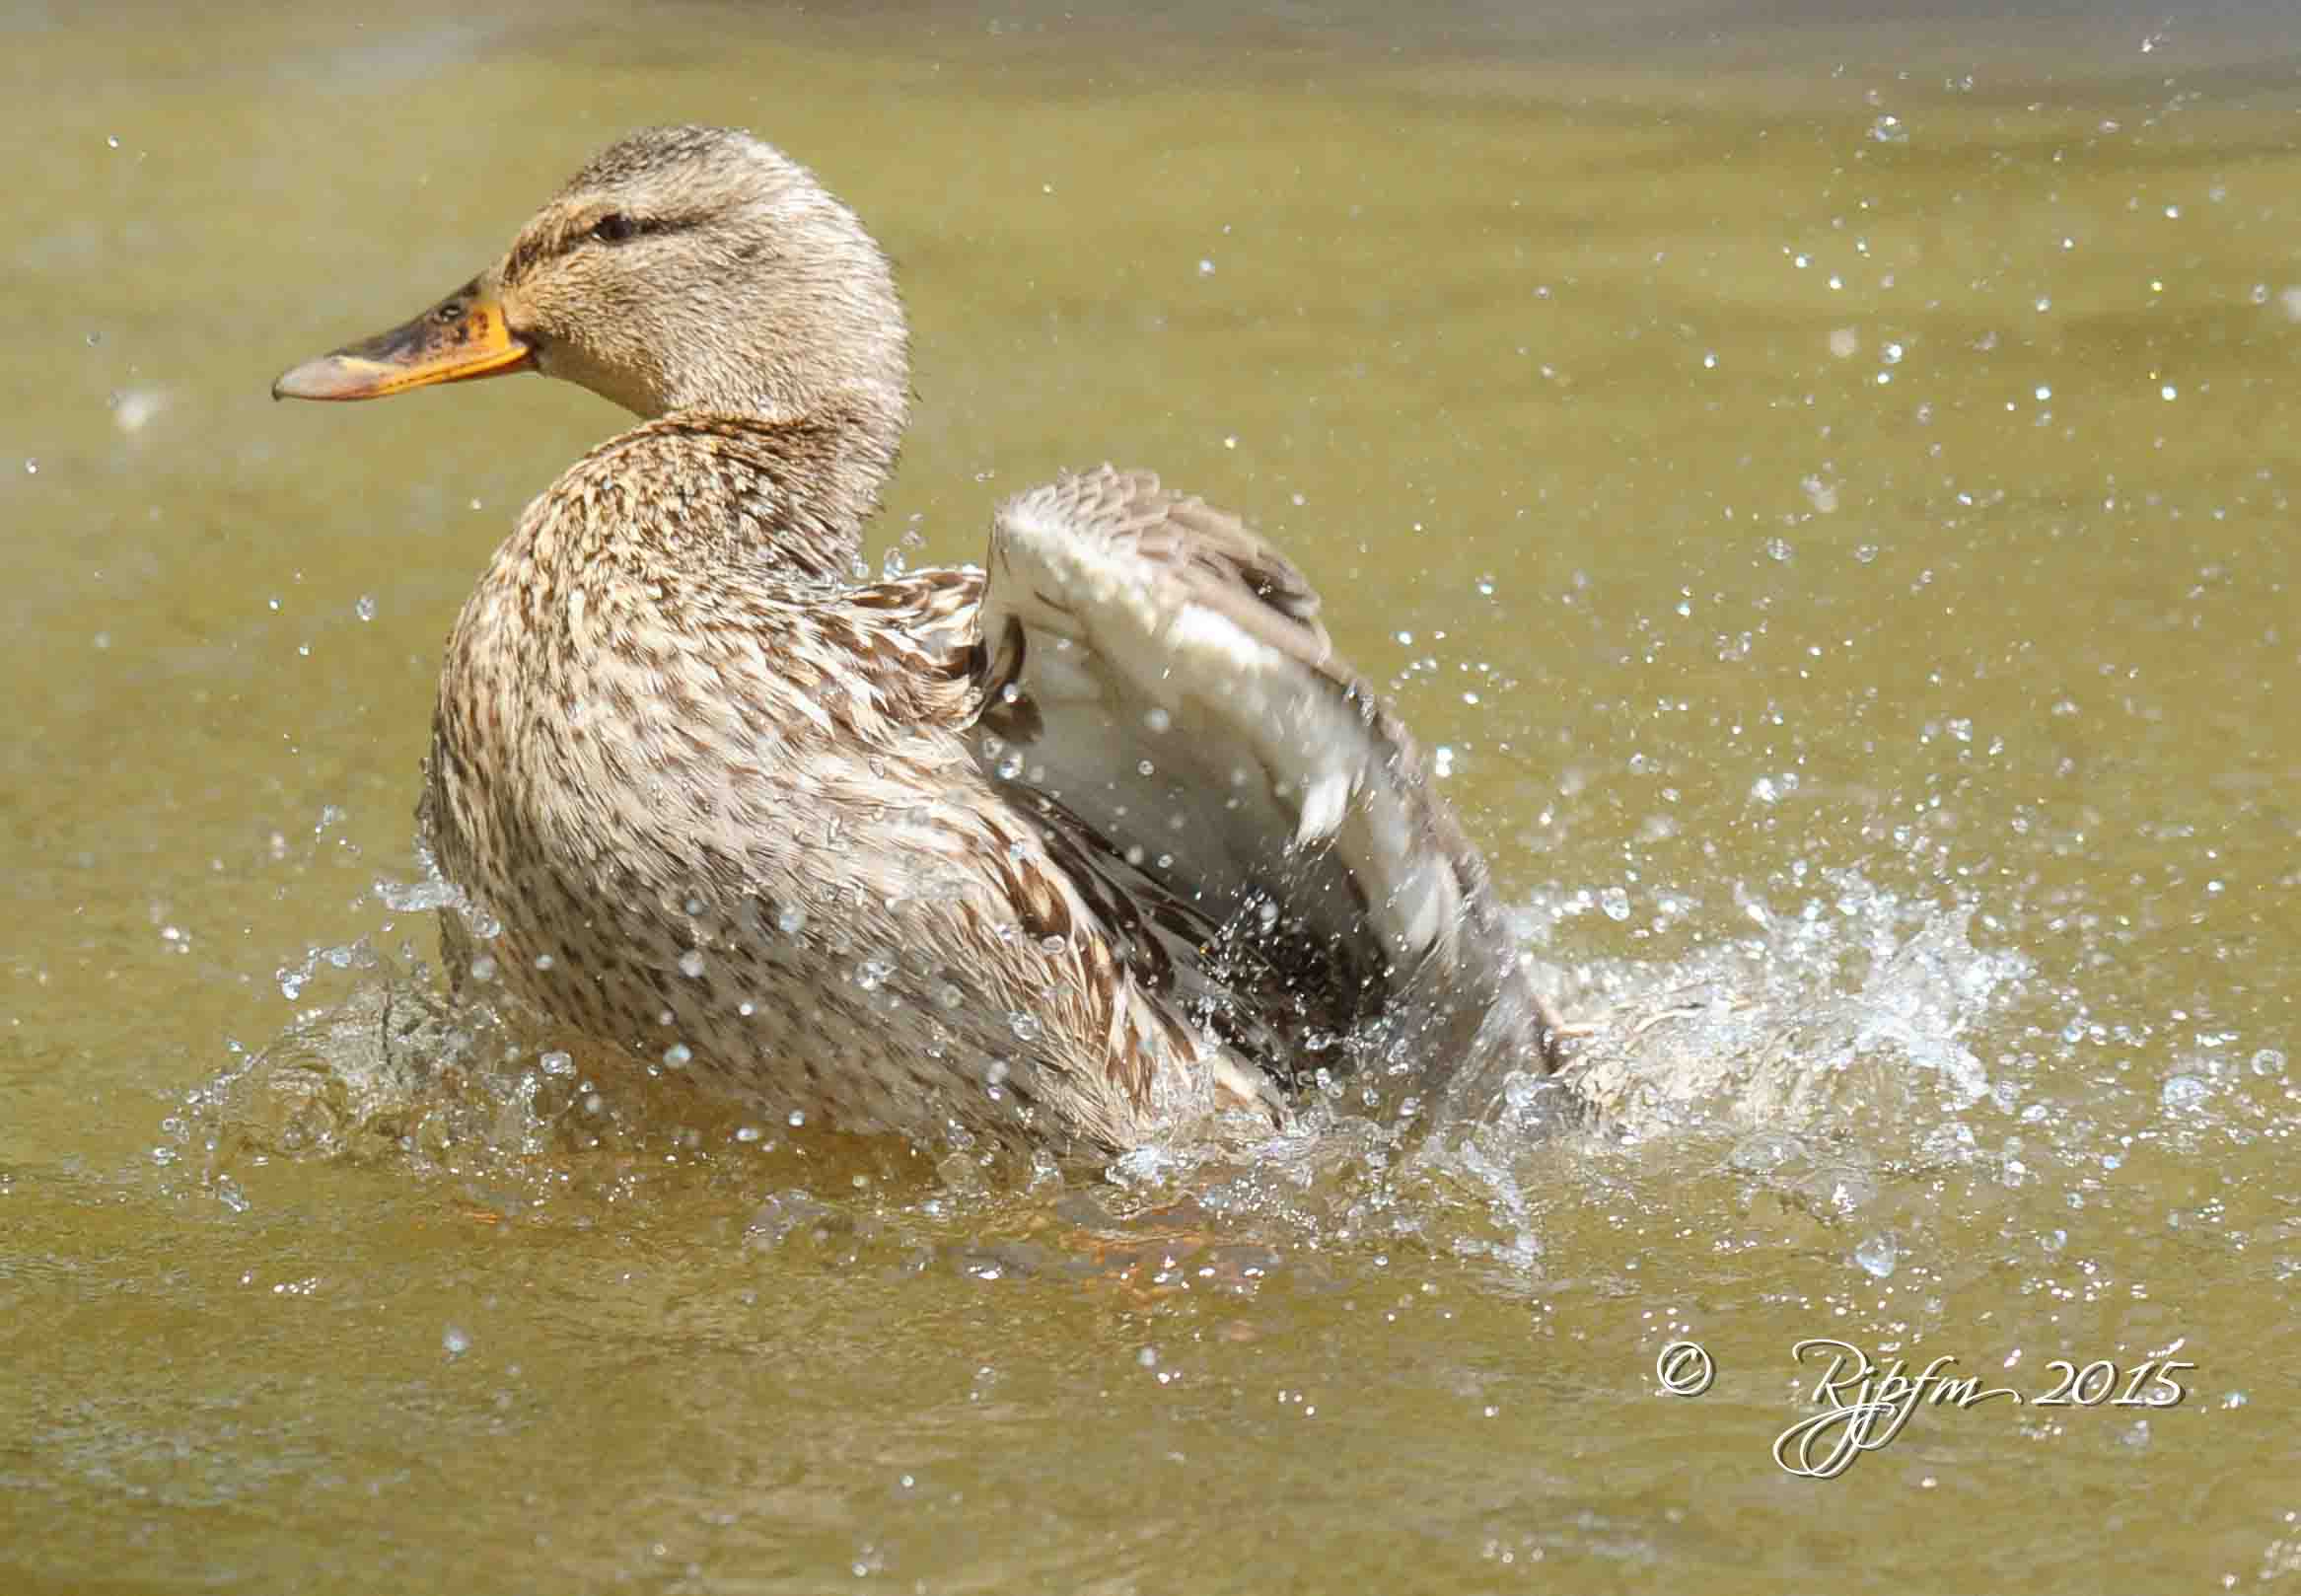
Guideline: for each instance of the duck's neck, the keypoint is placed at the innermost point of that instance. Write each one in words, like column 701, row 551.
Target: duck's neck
column 704, row 488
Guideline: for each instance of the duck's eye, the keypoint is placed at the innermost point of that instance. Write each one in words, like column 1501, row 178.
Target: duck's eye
column 613, row 228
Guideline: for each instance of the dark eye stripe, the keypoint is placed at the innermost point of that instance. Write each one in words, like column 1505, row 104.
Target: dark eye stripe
column 616, row 227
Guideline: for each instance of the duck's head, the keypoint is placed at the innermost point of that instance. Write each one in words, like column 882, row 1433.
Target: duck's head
column 684, row 268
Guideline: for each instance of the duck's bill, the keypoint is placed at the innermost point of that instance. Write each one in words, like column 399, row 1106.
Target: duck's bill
column 461, row 337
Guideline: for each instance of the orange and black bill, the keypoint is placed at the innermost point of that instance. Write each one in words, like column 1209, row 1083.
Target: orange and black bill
column 461, row 337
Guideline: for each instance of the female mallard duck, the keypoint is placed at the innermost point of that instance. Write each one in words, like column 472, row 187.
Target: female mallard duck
column 1072, row 851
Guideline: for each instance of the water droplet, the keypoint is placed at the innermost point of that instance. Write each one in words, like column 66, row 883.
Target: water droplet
column 692, row 965
column 417, row 898
column 455, row 1342
column 545, row 961
column 2269, row 1062
column 677, row 1055
column 1615, row 902
column 557, row 1064
column 483, row 968
column 1025, row 1026
column 791, row 921
column 364, row 607
column 1878, row 1254
column 871, row 974
column 2184, row 1092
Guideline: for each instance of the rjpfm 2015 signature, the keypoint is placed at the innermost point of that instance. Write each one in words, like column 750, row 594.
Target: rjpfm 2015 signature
column 1866, row 1404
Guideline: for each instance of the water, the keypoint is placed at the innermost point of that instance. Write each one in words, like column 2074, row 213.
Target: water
column 1826, row 490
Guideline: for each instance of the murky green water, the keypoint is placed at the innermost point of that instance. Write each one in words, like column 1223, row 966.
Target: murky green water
column 1828, row 489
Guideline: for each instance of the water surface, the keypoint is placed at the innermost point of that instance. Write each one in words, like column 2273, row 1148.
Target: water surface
column 1824, row 485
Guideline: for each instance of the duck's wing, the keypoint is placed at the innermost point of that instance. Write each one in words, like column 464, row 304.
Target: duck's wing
column 1157, row 675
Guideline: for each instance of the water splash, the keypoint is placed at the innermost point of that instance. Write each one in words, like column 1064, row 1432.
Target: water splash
column 1861, row 991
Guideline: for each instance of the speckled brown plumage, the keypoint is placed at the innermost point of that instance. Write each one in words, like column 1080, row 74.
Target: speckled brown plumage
column 1071, row 852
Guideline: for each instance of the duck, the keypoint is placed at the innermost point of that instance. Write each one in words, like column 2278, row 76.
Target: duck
column 1094, row 846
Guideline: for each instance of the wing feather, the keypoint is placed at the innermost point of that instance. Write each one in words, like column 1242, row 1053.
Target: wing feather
column 1158, row 674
